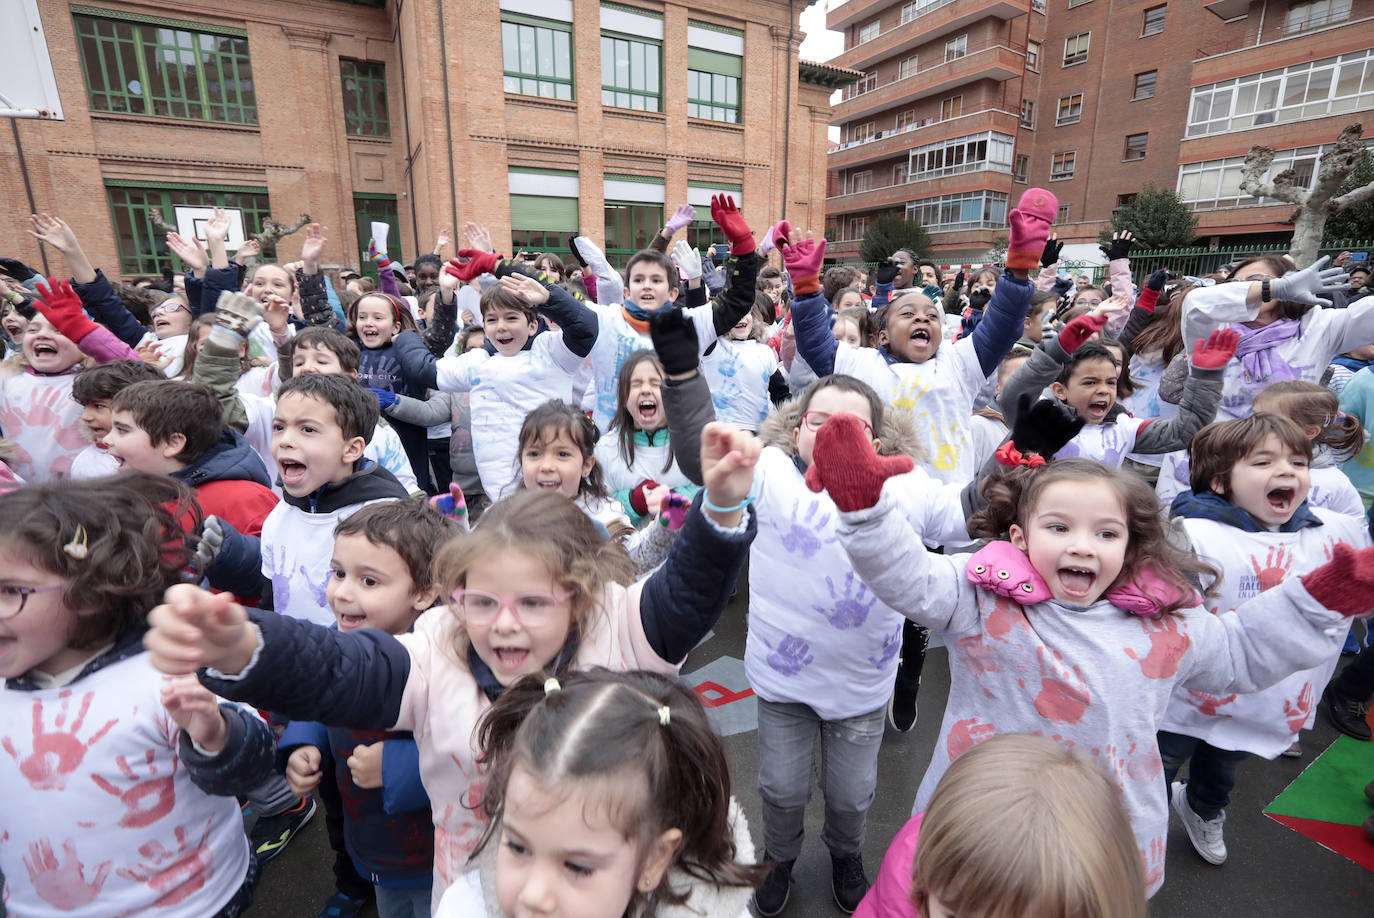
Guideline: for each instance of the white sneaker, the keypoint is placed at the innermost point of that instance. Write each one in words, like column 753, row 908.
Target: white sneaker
column 1205, row 834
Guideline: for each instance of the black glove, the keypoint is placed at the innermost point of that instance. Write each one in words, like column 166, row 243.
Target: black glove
column 1051, row 253
column 887, row 271
column 675, row 340
column 17, row 269
column 576, row 254
column 1043, row 425
column 1158, row 279
column 958, row 282
column 978, row 299
column 1119, row 247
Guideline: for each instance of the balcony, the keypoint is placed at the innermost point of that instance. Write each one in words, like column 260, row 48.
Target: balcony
column 887, row 144
column 954, row 16
column 991, row 62
column 898, row 194
column 1319, row 30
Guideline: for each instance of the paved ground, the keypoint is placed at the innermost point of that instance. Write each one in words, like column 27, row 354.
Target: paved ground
column 1272, row 871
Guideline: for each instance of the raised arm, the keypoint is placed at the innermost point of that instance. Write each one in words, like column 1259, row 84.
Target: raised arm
column 686, row 397
column 1201, row 396
column 741, row 269
column 62, row 308
column 1143, row 313
column 810, row 311
column 309, row 280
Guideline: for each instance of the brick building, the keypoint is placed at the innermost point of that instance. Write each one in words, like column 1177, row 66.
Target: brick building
column 536, row 117
column 964, row 103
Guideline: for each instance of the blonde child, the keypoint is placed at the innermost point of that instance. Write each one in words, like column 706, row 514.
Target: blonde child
column 533, row 588
column 136, row 815
column 1018, row 825
column 1083, row 623
column 628, row 765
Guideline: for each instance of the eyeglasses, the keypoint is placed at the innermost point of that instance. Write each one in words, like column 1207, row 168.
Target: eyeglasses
column 13, row 598
column 532, row 609
column 169, row 308
column 814, row 420
column 1087, row 301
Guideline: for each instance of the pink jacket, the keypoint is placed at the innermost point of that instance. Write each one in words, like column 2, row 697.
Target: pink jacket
column 890, row 894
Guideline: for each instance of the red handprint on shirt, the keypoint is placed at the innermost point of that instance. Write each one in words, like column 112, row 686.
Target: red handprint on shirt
column 175, row 874
column 1208, row 704
column 62, row 884
column 1141, row 764
column 1063, row 692
column 978, row 659
column 1004, row 616
column 1296, row 714
column 1277, row 563
column 46, row 414
column 56, row 752
column 150, row 797
column 1167, row 647
column 1154, row 862
column 966, row 734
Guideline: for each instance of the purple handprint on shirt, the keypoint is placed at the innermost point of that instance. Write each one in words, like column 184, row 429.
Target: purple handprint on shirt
column 803, row 536
column 791, row 656
column 849, row 610
column 277, row 562
column 1113, row 446
column 891, row 645
column 316, row 591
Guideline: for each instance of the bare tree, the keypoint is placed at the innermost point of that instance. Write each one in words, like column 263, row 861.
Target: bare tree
column 1316, row 205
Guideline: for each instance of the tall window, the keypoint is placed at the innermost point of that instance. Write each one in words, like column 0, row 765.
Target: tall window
column 956, row 48
column 1315, row 89
column 713, row 85
column 906, row 68
column 860, row 181
column 1061, row 167
column 1070, row 109
column 630, row 69
column 1076, row 48
column 1033, row 56
column 1063, row 216
column 1154, row 21
column 1135, row 146
column 1028, row 114
column 866, row 83
column 536, row 56
column 364, row 98
column 142, row 247
column 166, row 70
column 381, row 208
column 631, row 226
column 1021, row 169
column 1314, row 14
column 899, row 174
column 952, row 107
column 855, row 132
column 1144, row 85
column 906, row 119
column 869, row 31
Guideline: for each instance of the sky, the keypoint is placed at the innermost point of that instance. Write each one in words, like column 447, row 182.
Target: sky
column 821, row 44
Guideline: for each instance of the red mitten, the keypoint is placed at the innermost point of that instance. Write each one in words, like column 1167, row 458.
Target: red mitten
column 639, row 495
column 1080, row 330
column 1345, row 583
column 61, row 306
column 731, row 223
column 479, row 262
column 780, row 233
column 1217, row 350
column 844, row 464
column 803, row 262
column 1030, row 227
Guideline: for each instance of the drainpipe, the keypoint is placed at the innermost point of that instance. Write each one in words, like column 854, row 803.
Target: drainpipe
column 448, row 126
column 28, row 189
column 787, row 114
column 405, row 116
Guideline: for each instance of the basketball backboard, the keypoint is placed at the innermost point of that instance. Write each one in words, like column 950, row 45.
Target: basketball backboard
column 27, row 86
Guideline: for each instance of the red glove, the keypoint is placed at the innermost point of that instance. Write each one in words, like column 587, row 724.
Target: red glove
column 62, row 308
column 1345, row 583
column 1030, row 227
column 844, row 464
column 731, row 223
column 1079, row 330
column 639, row 495
column 1217, row 350
column 479, row 262
column 780, row 233
column 803, row 261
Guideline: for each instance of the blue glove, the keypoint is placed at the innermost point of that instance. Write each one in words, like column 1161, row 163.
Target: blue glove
column 1062, row 286
column 933, row 292
column 385, row 397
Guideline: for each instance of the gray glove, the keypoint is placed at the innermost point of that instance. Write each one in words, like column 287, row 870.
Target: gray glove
column 1311, row 285
column 211, row 541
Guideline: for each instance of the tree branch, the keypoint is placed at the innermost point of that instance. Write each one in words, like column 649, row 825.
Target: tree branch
column 1257, row 162
column 1351, row 198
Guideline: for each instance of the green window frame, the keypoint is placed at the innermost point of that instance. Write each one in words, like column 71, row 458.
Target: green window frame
column 141, row 65
column 542, row 223
column 713, row 85
column 143, row 247
column 364, row 98
column 383, row 209
column 536, row 57
column 631, row 72
column 631, row 226
column 702, row 234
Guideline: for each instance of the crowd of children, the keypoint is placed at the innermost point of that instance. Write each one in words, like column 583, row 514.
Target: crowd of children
column 431, row 550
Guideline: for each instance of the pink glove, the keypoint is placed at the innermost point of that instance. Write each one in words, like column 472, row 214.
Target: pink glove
column 776, row 237
column 1148, row 594
column 803, row 261
column 684, row 214
column 731, row 223
column 844, row 464
column 1030, row 227
column 1345, row 583
column 1217, row 350
column 1080, row 330
column 479, row 262
column 62, row 308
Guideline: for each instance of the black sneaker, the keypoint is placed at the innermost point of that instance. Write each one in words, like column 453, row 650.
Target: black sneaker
column 342, row 905
column 271, row 834
column 771, row 897
column 1346, row 714
column 848, row 881
column 901, row 707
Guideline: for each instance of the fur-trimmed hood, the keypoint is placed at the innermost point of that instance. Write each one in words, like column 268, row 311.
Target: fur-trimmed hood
column 898, row 434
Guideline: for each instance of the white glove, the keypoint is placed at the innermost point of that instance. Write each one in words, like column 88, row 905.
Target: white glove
column 687, row 259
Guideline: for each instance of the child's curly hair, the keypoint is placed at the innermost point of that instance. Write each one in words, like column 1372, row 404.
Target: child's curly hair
column 1011, row 496
column 118, row 543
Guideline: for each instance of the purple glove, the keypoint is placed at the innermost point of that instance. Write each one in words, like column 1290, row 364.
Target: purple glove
column 684, row 215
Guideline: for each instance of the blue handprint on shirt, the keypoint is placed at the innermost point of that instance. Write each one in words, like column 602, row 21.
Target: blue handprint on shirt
column 281, row 580
column 803, row 537
column 791, row 656
column 849, row 610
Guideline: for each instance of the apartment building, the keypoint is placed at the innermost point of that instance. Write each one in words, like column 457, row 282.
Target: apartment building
column 964, row 103
column 538, row 118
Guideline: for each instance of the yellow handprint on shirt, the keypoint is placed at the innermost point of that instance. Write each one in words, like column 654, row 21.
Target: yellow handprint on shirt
column 947, row 455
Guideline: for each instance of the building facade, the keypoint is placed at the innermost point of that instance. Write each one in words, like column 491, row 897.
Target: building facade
column 965, row 103
column 537, row 118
